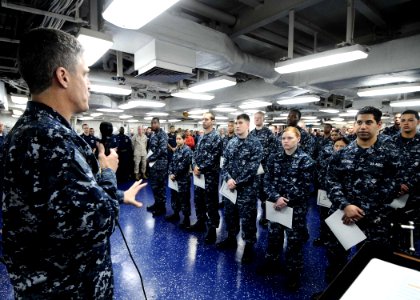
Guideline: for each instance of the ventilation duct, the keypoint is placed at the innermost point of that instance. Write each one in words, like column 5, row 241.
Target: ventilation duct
column 164, row 62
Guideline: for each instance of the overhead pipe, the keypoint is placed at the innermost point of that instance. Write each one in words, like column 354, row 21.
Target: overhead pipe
column 350, row 22
column 291, row 38
column 208, row 11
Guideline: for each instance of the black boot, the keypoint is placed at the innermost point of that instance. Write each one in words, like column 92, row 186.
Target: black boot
column 210, row 236
column 270, row 266
column 248, row 255
column 173, row 218
column 228, row 243
column 198, row 226
column 151, row 208
column 159, row 211
column 186, row 223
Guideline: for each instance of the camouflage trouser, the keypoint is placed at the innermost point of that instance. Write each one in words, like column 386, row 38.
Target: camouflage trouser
column 207, row 201
column 244, row 213
column 180, row 201
column 262, row 196
column 158, row 176
column 295, row 240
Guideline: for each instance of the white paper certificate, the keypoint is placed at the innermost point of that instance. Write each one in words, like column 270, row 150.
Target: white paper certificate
column 222, row 160
column 200, row 181
column 347, row 235
column 283, row 216
column 150, row 153
column 260, row 170
column 152, row 163
column 225, row 191
column 322, row 199
column 400, row 202
column 173, row 184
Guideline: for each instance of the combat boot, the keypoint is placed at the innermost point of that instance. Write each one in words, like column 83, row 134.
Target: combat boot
column 248, row 255
column 198, row 226
column 173, row 218
column 210, row 236
column 186, row 223
column 228, row 243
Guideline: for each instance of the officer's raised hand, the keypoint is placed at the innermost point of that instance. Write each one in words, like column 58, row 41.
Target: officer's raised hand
column 110, row 161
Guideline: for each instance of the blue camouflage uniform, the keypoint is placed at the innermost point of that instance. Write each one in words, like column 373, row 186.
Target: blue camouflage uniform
column 241, row 160
column 226, row 139
column 289, row 176
column 264, row 135
column 172, row 143
column 207, row 158
column 180, row 167
column 159, row 171
column 365, row 178
column 91, row 140
column 391, row 130
column 2, row 137
column 59, row 211
column 410, row 170
column 322, row 162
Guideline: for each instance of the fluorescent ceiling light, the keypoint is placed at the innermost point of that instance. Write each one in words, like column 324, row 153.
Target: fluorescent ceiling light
column 122, row 90
column 212, row 84
column 196, row 116
column 322, row 59
column 15, row 116
column 133, row 14
column 132, row 121
column 221, row 118
column 94, row 44
column 125, row 117
column 87, row 118
column 163, row 121
column 198, row 111
column 225, row 109
column 348, row 114
column 337, row 119
column 174, row 120
column 387, row 80
column 236, row 113
column 190, row 95
column 253, row 111
column 404, row 103
column 309, row 117
column 17, row 112
column 254, row 104
column 141, row 103
column 279, row 124
column 299, row 100
column 19, row 99
column 148, row 118
column 280, row 118
column 110, row 110
column 96, row 114
column 330, row 110
column 157, row 114
column 389, row 90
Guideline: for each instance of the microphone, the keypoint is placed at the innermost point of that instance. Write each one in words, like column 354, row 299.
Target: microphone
column 106, row 132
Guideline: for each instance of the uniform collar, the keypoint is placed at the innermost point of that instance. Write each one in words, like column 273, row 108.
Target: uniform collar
column 34, row 107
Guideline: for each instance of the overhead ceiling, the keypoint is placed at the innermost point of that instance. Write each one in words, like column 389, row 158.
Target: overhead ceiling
column 240, row 38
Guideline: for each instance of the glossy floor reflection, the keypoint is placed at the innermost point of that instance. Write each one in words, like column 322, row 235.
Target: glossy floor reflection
column 178, row 265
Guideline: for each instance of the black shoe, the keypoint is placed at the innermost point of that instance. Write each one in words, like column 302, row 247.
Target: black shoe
column 198, row 227
column 159, row 212
column 210, row 236
column 269, row 266
column 185, row 224
column 248, row 255
column 318, row 242
column 263, row 222
column 151, row 208
column 228, row 243
column 173, row 218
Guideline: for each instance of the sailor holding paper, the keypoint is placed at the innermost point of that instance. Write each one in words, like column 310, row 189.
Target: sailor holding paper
column 242, row 157
column 287, row 182
column 361, row 181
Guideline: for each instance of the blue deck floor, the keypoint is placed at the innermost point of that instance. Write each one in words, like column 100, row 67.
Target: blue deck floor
column 178, row 265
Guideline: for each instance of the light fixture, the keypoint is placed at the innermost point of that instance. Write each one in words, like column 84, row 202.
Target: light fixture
column 349, row 113
column 141, row 103
column 221, row 118
column 322, row 59
column 132, row 121
column 404, row 103
column 309, row 117
column 253, row 111
column 94, row 44
column 212, row 84
column 225, row 109
column 198, row 111
column 122, row 90
column 19, row 99
column 195, row 96
column 96, row 114
column 299, row 100
column 387, row 79
column 158, row 114
column 280, row 118
column 250, row 104
column 174, row 120
column 148, row 118
column 86, row 118
column 15, row 116
column 330, row 110
column 110, row 110
column 389, row 90
column 196, row 116
column 133, row 14
column 17, row 112
column 125, row 117
column 337, row 119
column 279, row 124
column 236, row 113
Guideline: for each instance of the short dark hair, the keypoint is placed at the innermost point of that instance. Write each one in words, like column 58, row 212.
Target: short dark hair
column 231, row 122
column 212, row 117
column 297, row 111
column 244, row 117
column 84, row 124
column 41, row 52
column 370, row 110
column 155, row 119
column 411, row 112
column 327, row 124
